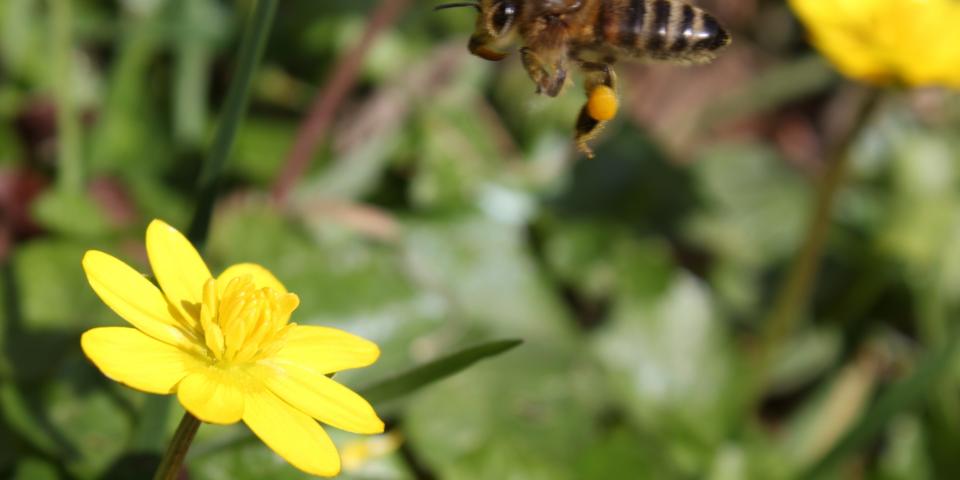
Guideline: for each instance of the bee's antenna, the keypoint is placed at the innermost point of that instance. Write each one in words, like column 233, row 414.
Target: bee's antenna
column 456, row 5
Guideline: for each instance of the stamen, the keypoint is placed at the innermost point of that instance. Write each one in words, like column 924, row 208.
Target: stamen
column 243, row 323
column 212, row 335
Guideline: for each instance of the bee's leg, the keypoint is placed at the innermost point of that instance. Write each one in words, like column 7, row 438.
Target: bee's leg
column 547, row 83
column 480, row 45
column 596, row 74
column 600, row 83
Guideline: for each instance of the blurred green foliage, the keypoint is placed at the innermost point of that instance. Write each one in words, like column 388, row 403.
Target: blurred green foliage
column 447, row 208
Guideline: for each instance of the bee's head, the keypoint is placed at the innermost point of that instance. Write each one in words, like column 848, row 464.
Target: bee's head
column 499, row 17
column 496, row 23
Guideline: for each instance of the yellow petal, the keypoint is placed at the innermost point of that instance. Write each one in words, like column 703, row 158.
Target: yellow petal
column 132, row 358
column 212, row 395
column 317, row 395
column 327, row 350
column 261, row 277
column 178, row 267
column 293, row 435
column 132, row 297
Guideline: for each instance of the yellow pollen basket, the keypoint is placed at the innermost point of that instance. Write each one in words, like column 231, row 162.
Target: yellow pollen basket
column 242, row 323
column 602, row 104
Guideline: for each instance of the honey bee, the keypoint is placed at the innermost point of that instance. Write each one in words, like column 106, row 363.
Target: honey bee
column 592, row 35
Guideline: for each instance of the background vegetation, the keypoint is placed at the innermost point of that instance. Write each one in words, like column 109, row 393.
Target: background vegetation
column 444, row 205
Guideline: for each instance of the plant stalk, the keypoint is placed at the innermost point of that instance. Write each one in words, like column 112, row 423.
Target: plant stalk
column 251, row 52
column 172, row 462
column 791, row 298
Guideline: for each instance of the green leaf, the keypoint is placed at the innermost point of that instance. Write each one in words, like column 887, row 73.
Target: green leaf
column 70, row 213
column 33, row 468
column 529, row 415
column 669, row 365
column 23, row 421
column 51, row 288
column 617, row 456
column 470, row 260
column 756, row 207
column 92, row 421
column 436, row 370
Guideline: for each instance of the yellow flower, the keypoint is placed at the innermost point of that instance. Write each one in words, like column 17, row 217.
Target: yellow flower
column 226, row 347
column 911, row 42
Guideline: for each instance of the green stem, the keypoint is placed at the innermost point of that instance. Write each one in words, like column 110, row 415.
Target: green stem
column 251, row 51
column 70, row 175
column 792, row 296
column 172, row 462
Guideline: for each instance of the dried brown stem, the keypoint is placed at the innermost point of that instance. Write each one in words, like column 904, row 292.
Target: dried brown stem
column 314, row 128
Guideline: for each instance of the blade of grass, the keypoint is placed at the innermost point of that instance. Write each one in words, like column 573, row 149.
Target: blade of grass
column 151, row 430
column 419, row 377
column 898, row 398
column 388, row 389
column 251, row 52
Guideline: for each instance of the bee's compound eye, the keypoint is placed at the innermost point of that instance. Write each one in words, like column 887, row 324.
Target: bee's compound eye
column 503, row 17
column 602, row 104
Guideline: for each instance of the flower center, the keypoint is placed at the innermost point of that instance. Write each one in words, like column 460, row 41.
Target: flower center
column 242, row 323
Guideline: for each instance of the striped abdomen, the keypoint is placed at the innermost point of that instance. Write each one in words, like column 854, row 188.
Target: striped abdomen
column 659, row 29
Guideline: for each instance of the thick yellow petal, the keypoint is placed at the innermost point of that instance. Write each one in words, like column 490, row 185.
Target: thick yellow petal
column 132, row 297
column 293, row 435
column 327, row 350
column 178, row 267
column 213, row 395
column 261, row 277
column 132, row 358
column 319, row 396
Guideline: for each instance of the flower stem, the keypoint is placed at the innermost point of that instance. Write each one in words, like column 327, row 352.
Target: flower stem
column 791, row 298
column 169, row 468
column 251, row 52
column 70, row 167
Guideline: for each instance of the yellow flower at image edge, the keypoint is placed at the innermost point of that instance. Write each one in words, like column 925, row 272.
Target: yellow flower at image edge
column 909, row 42
column 226, row 347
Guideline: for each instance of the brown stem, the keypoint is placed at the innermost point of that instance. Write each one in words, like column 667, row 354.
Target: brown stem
column 314, row 128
